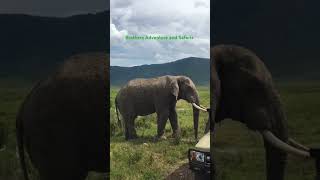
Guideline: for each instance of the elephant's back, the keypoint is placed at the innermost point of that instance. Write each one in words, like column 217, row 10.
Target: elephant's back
column 85, row 66
column 79, row 84
column 137, row 97
column 139, row 88
column 141, row 83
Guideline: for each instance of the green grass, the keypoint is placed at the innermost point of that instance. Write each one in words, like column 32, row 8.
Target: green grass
column 143, row 158
column 10, row 99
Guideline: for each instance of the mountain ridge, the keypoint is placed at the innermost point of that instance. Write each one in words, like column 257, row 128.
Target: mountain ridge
column 198, row 69
column 34, row 45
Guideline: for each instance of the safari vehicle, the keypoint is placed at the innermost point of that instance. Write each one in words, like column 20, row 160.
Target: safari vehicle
column 199, row 156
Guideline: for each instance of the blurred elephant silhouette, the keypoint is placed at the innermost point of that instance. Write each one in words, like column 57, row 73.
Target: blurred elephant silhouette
column 62, row 123
column 242, row 89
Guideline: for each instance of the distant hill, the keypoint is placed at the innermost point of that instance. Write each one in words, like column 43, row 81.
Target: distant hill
column 33, row 46
column 285, row 34
column 198, row 69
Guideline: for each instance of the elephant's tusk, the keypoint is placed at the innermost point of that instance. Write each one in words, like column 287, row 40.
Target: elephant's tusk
column 276, row 142
column 298, row 145
column 202, row 106
column 198, row 107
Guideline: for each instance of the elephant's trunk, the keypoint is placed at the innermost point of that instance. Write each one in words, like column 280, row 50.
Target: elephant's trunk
column 275, row 162
column 196, row 118
column 276, row 158
column 277, row 144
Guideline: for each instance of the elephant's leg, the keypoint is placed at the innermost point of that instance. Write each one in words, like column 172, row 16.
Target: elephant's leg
column 130, row 131
column 174, row 122
column 162, row 117
column 59, row 158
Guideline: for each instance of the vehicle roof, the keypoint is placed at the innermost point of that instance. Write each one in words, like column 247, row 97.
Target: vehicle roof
column 204, row 143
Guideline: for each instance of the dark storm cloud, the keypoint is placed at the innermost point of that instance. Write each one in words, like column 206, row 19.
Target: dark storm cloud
column 53, row 7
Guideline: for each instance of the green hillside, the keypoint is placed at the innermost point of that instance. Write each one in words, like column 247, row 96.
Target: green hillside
column 198, row 69
column 33, row 46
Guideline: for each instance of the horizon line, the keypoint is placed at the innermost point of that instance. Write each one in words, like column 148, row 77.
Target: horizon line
column 158, row 63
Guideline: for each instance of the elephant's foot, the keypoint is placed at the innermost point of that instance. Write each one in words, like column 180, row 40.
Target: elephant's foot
column 157, row 137
column 176, row 134
column 131, row 137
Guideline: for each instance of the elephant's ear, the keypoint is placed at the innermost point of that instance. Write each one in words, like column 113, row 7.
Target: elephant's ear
column 174, row 88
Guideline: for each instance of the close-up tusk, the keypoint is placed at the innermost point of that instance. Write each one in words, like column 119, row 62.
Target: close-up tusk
column 294, row 143
column 202, row 106
column 276, row 142
column 198, row 107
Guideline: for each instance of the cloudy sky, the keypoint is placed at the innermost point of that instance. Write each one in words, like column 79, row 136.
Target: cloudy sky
column 158, row 17
column 57, row 8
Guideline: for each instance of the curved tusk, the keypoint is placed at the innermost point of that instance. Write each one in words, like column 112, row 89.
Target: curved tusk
column 298, row 145
column 276, row 142
column 202, row 106
column 198, row 107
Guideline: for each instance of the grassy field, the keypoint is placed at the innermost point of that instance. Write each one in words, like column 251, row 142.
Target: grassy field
column 239, row 152
column 145, row 159
column 11, row 96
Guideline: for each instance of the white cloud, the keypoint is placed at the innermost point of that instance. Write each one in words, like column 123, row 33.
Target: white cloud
column 164, row 17
column 201, row 3
column 116, row 36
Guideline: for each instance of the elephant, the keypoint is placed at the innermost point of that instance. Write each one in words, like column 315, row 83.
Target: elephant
column 242, row 89
column 62, row 123
column 140, row 97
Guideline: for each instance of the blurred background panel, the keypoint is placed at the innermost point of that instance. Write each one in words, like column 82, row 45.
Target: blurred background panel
column 35, row 38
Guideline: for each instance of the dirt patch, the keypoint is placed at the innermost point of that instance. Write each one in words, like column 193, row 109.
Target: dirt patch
column 184, row 173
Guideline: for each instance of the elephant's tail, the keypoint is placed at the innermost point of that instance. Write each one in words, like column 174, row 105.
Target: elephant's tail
column 117, row 111
column 20, row 144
